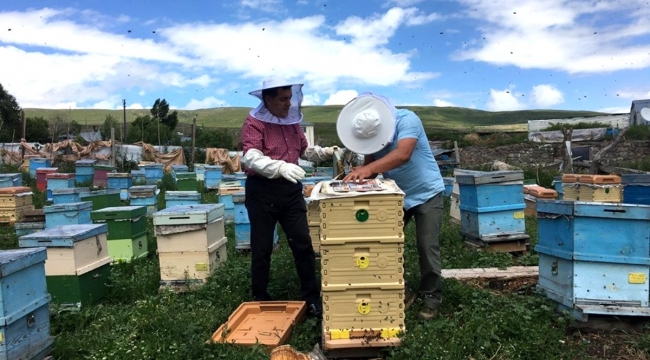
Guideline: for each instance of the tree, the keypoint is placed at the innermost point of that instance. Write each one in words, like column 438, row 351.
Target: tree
column 105, row 129
column 160, row 111
column 36, row 129
column 167, row 136
column 219, row 138
column 10, row 123
column 74, row 128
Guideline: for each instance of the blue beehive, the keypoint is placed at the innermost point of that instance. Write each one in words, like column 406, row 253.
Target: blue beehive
column 26, row 228
column 71, row 195
column 24, row 300
column 6, row 182
column 37, row 163
column 138, row 176
column 174, row 198
column 15, row 179
column 241, row 213
column 59, row 181
column 153, row 173
column 226, row 200
column 241, row 176
column 213, row 174
column 84, row 170
column 557, row 185
column 449, row 185
column 121, row 182
column 68, row 214
column 199, row 169
column 594, row 256
column 243, row 237
column 144, row 195
column 178, row 168
column 491, row 205
column 636, row 188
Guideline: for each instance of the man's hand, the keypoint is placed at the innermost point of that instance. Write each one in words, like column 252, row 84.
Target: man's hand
column 292, row 172
column 359, row 174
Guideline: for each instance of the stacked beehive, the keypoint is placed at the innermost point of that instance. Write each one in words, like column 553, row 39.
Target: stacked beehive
column 25, row 326
column 153, row 173
column 68, row 214
column 186, row 181
column 36, row 163
column 227, row 187
column 313, row 218
column 243, row 224
column 77, row 266
column 174, row 198
column 532, row 193
column 127, row 231
column 492, row 210
column 592, row 188
column 212, row 176
column 121, row 182
column 636, row 189
column 14, row 201
column 361, row 244
column 102, row 198
column 594, row 257
column 144, row 195
column 84, row 170
column 191, row 244
column 58, row 181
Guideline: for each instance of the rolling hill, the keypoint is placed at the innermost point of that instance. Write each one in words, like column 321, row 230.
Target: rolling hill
column 435, row 119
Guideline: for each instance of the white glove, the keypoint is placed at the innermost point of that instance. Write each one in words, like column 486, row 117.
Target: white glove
column 292, row 172
column 316, row 153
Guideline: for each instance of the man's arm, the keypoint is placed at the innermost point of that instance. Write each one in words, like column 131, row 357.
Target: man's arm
column 392, row 160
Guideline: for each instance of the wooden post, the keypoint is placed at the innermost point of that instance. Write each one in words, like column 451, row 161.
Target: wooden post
column 566, row 154
column 193, row 140
column 457, row 152
column 22, row 148
column 112, row 146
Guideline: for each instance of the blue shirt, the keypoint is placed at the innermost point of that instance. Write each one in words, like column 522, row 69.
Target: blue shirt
column 420, row 177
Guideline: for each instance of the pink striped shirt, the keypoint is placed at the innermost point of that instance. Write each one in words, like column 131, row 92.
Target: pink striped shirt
column 279, row 142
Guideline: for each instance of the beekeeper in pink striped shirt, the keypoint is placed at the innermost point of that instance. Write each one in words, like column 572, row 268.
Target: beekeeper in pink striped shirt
column 273, row 141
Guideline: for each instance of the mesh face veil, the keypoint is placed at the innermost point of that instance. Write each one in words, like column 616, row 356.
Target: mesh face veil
column 295, row 111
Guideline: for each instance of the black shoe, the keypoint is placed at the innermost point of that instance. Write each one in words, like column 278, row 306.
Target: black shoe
column 266, row 297
column 314, row 310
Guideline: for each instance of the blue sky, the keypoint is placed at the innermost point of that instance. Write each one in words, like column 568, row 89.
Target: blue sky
column 489, row 55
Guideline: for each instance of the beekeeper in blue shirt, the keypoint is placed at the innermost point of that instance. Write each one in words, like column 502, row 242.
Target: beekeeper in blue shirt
column 394, row 144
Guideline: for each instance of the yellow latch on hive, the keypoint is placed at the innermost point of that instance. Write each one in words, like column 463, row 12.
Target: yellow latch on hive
column 519, row 215
column 339, row 334
column 636, row 278
column 201, row 266
column 363, row 262
column 389, row 333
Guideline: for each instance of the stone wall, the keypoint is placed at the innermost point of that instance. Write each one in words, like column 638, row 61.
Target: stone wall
column 527, row 153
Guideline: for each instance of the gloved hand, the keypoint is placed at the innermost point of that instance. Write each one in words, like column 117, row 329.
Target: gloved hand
column 329, row 151
column 291, row 172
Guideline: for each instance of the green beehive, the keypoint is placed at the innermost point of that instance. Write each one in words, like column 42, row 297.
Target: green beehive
column 128, row 249
column 124, row 222
column 186, row 181
column 102, row 198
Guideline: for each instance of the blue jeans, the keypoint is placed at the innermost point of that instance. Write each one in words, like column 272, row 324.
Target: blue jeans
column 428, row 222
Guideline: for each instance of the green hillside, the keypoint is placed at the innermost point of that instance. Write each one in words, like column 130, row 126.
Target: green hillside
column 435, row 119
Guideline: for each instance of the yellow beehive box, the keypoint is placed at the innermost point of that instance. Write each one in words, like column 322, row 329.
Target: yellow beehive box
column 362, row 263
column 570, row 191
column 599, row 193
column 313, row 213
column 189, row 238
column 378, row 310
column 314, row 233
column 13, row 215
column 192, row 265
column 15, row 200
column 362, row 217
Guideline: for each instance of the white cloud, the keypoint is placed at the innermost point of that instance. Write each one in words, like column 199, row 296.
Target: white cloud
column 70, row 60
column 105, row 104
column 263, row 5
column 208, row 102
column 311, row 99
column 503, row 100
column 135, row 106
column 546, row 95
column 633, row 94
column 443, row 103
column 560, row 34
column 65, row 105
column 615, row 110
column 341, row 97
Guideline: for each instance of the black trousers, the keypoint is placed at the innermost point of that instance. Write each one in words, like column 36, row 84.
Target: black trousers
column 269, row 201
